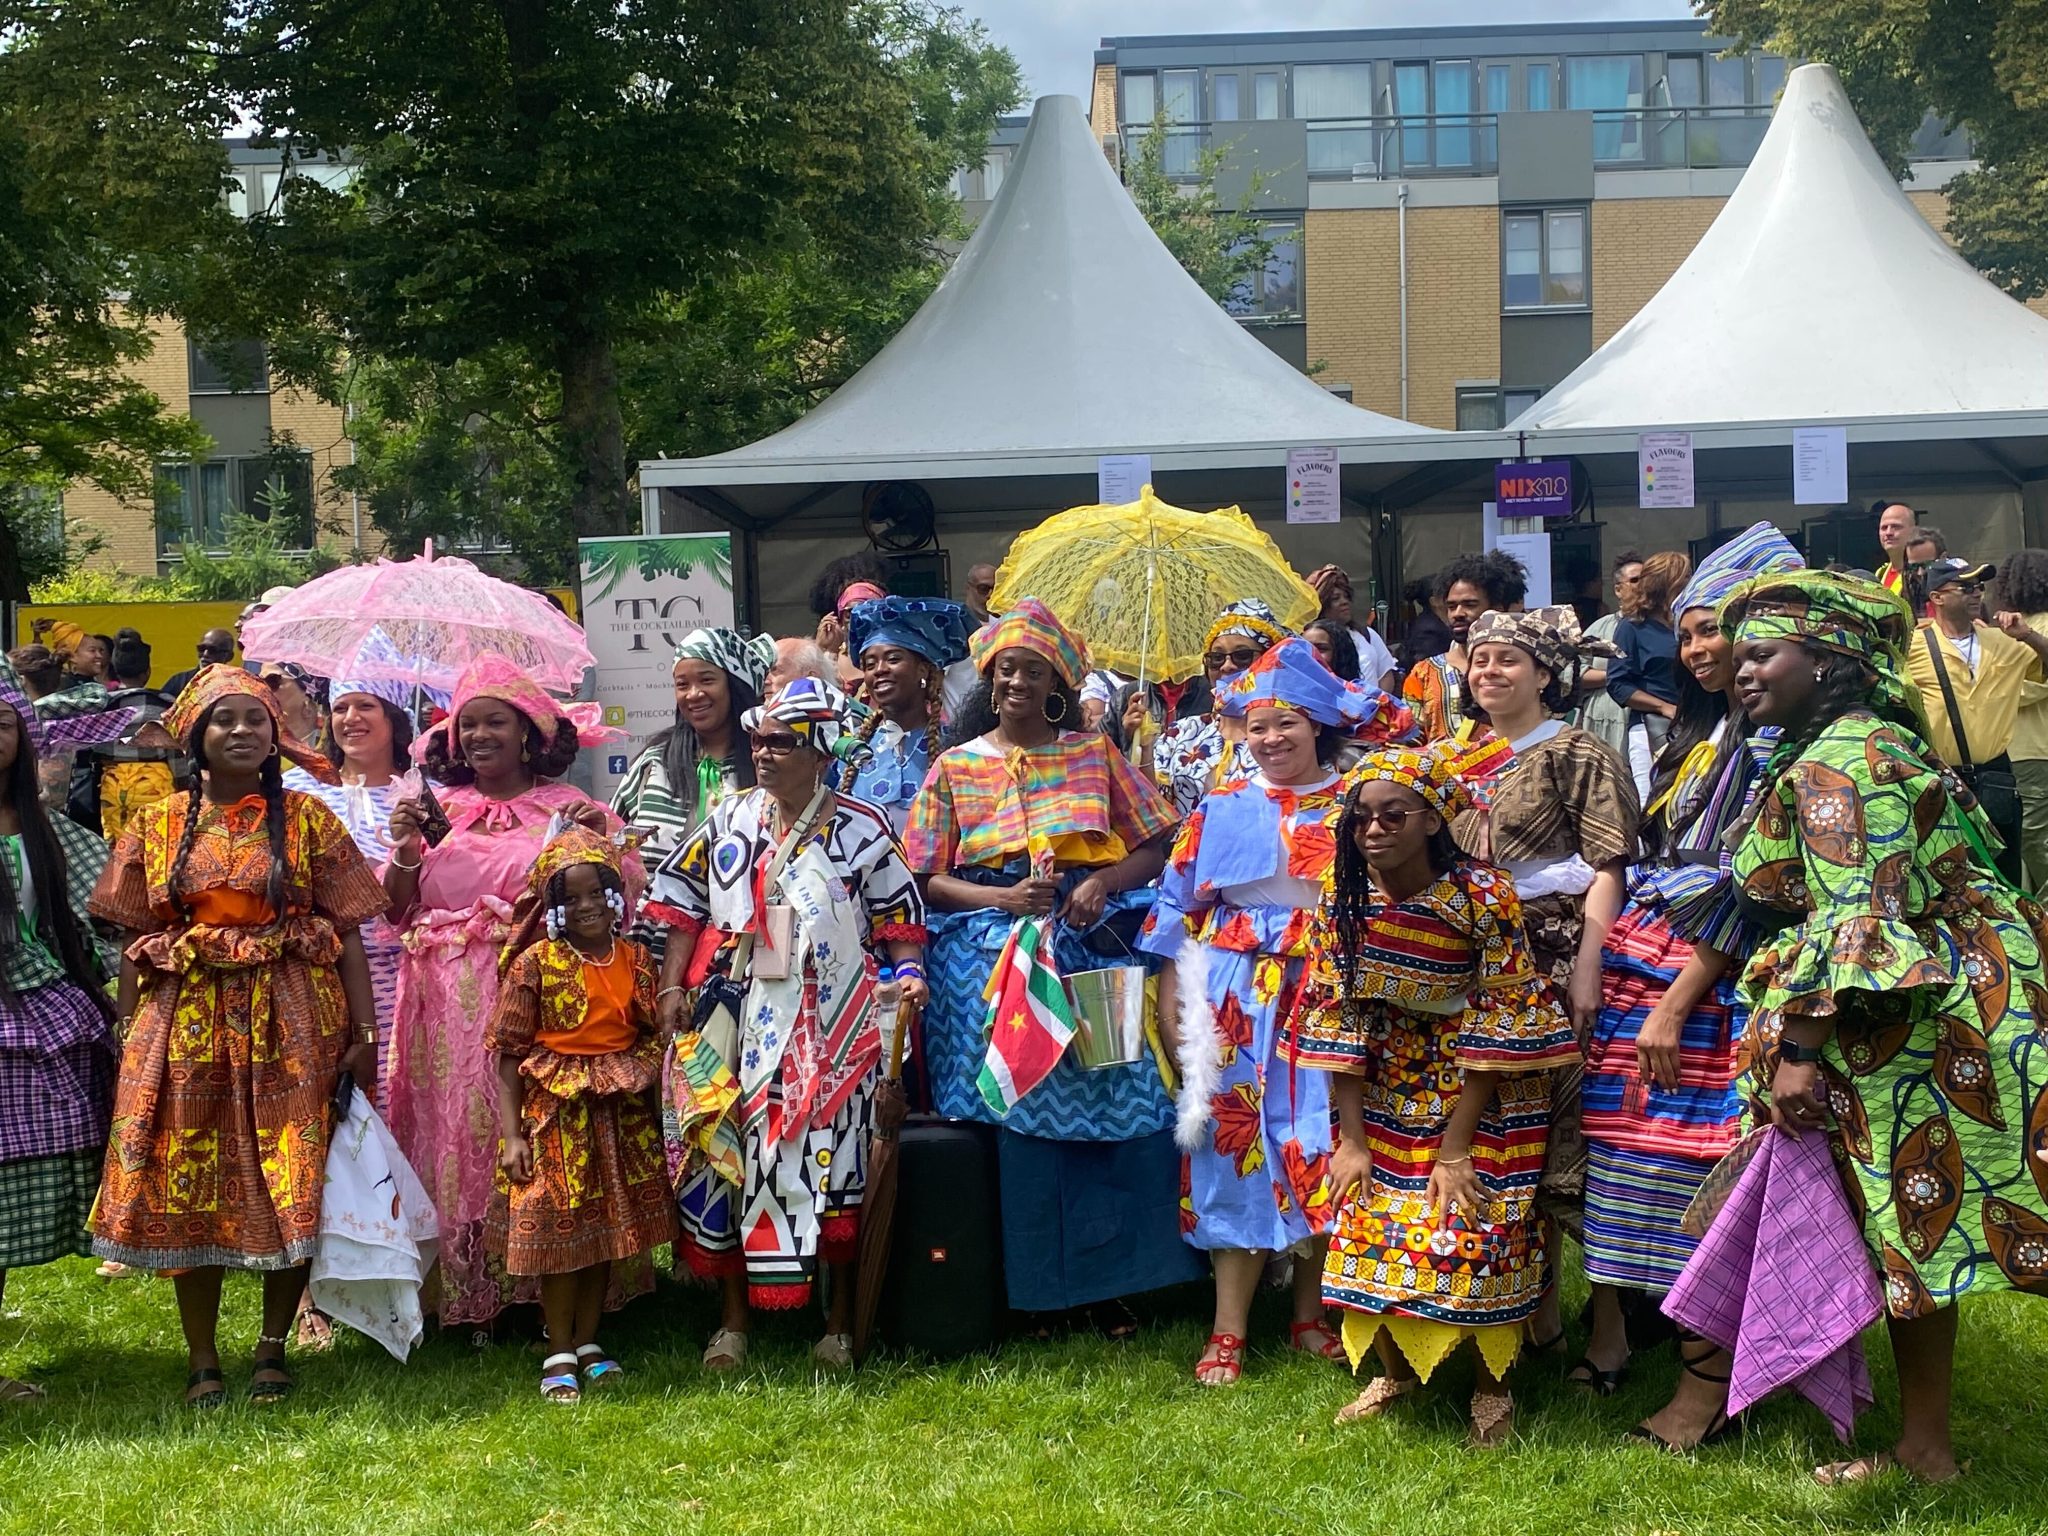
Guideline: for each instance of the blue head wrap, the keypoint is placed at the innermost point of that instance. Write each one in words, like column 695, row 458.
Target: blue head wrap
column 934, row 627
column 1292, row 676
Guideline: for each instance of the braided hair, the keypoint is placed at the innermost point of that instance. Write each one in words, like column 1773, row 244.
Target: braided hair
column 56, row 924
column 1351, row 895
column 934, row 710
column 556, row 900
column 272, row 778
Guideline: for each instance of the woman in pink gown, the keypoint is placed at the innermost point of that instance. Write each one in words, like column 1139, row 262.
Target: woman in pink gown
column 496, row 757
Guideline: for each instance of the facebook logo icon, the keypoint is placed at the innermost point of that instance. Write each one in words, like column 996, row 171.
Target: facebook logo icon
column 615, row 763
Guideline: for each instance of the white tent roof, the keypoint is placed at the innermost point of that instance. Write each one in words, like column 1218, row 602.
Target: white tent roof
column 1819, row 294
column 1064, row 331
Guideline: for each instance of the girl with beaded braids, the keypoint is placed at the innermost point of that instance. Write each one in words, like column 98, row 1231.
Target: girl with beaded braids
column 246, row 993
column 579, row 1107
column 903, row 646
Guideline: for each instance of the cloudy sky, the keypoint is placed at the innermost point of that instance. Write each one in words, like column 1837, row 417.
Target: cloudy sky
column 1055, row 40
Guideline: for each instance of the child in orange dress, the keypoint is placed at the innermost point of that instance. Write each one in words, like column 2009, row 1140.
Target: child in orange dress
column 579, row 1101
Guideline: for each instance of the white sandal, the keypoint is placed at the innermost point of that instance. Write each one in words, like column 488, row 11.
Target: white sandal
column 834, row 1351
column 727, row 1350
column 558, row 1381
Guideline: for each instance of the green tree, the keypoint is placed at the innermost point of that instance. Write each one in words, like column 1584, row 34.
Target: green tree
column 1223, row 249
column 1980, row 64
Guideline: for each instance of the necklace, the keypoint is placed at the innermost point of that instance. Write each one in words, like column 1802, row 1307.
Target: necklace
column 610, row 951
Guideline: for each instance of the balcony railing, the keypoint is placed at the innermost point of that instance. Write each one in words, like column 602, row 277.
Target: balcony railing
column 1391, row 146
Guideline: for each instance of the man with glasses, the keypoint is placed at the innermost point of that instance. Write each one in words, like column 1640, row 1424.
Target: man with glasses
column 1971, row 678
column 216, row 648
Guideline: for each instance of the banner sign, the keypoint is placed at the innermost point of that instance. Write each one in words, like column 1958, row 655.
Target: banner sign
column 641, row 595
column 1539, row 488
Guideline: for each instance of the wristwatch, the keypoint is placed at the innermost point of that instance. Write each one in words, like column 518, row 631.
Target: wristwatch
column 1792, row 1050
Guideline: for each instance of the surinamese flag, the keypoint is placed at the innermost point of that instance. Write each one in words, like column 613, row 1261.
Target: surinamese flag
column 1029, row 1021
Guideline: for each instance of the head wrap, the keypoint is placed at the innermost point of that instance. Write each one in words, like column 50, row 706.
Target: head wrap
column 15, row 697
column 1326, row 579
column 749, row 661
column 1030, row 626
column 934, row 627
column 315, row 688
column 390, row 690
column 1436, row 772
column 1248, row 616
column 64, row 637
column 857, row 592
column 1759, row 550
column 219, row 680
column 571, row 844
column 1551, row 635
column 1845, row 615
column 493, row 677
column 1292, row 676
column 817, row 714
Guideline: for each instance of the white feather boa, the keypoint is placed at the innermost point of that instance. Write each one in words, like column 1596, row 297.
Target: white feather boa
column 1200, row 1051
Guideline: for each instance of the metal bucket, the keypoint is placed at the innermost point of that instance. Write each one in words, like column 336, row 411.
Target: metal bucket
column 1111, row 1009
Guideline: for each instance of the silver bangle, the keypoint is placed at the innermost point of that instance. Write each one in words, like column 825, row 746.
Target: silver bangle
column 408, row 868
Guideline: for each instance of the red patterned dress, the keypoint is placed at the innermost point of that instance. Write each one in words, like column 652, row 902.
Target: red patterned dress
column 219, row 1146
column 1442, row 984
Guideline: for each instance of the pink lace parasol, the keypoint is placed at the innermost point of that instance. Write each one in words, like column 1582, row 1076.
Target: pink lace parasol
column 422, row 620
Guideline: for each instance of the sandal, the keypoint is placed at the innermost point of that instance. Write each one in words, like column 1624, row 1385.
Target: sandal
column 558, row 1382
column 1222, row 1362
column 1332, row 1347
column 1493, row 1419
column 727, row 1350
column 1114, row 1321
column 270, row 1360
column 113, row 1270
column 1722, row 1425
column 1838, row 1474
column 834, row 1352
column 1380, row 1394
column 207, row 1376
column 1600, row 1383
column 12, row 1391
column 596, row 1365
column 315, row 1333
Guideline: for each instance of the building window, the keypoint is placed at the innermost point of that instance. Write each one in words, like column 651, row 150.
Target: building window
column 1543, row 258
column 194, row 501
column 1335, row 100
column 1610, row 86
column 1479, row 407
column 1539, row 86
column 1274, row 293
column 238, row 368
column 1266, row 95
column 1223, row 98
column 1178, row 93
column 1513, row 402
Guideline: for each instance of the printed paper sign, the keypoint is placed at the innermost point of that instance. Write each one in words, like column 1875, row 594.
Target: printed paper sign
column 1533, row 550
column 1119, row 477
column 640, row 596
column 1820, row 466
column 1664, row 469
column 1315, row 493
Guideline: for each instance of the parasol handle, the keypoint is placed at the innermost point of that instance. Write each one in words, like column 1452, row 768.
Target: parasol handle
column 906, row 1017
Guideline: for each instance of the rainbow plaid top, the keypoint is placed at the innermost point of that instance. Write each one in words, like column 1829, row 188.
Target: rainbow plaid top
column 981, row 806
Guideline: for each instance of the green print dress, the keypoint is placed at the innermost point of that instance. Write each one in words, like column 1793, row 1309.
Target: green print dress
column 1930, row 972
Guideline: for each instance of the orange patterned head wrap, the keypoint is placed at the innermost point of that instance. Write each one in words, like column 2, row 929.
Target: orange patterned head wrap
column 219, row 680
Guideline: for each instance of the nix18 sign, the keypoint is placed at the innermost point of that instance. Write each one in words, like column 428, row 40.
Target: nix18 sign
column 1542, row 488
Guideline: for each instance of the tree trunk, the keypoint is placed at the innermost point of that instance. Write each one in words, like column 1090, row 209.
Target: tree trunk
column 594, row 434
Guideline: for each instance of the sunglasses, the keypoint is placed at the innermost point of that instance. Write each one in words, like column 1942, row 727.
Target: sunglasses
column 1243, row 658
column 773, row 746
column 1393, row 820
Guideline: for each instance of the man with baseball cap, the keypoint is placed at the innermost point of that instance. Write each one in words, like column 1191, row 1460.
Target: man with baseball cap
column 1971, row 677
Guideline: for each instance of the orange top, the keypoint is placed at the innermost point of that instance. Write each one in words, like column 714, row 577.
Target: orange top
column 608, row 1016
column 223, row 906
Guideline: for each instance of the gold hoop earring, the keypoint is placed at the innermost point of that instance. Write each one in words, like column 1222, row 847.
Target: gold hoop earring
column 525, row 755
column 1055, row 719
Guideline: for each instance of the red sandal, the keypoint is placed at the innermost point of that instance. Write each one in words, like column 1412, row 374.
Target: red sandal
column 1332, row 1347
column 1222, row 1362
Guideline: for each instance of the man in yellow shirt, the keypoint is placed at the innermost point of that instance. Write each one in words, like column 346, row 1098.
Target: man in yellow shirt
column 1987, row 671
column 1894, row 522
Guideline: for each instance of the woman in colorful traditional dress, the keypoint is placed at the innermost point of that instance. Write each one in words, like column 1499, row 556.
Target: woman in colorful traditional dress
column 1024, row 818
column 246, row 995
column 903, row 646
column 1562, row 821
column 498, row 757
column 57, row 1043
column 1897, row 1003
column 782, row 906
column 1198, row 752
column 579, row 1113
column 1422, row 999
column 1243, row 880
column 1660, row 1102
column 702, row 757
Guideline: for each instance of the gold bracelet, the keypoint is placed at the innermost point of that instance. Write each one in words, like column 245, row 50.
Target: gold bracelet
column 1452, row 1162
column 366, row 1034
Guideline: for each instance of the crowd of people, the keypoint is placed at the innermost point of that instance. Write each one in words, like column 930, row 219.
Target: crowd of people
column 1531, row 927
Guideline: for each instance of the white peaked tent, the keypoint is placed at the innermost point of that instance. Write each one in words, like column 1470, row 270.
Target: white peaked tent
column 1819, row 295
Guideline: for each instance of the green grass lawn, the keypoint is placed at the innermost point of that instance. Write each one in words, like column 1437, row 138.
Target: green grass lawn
column 1077, row 1435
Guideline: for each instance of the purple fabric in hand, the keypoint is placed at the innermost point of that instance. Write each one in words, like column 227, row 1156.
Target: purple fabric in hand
column 1783, row 1281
